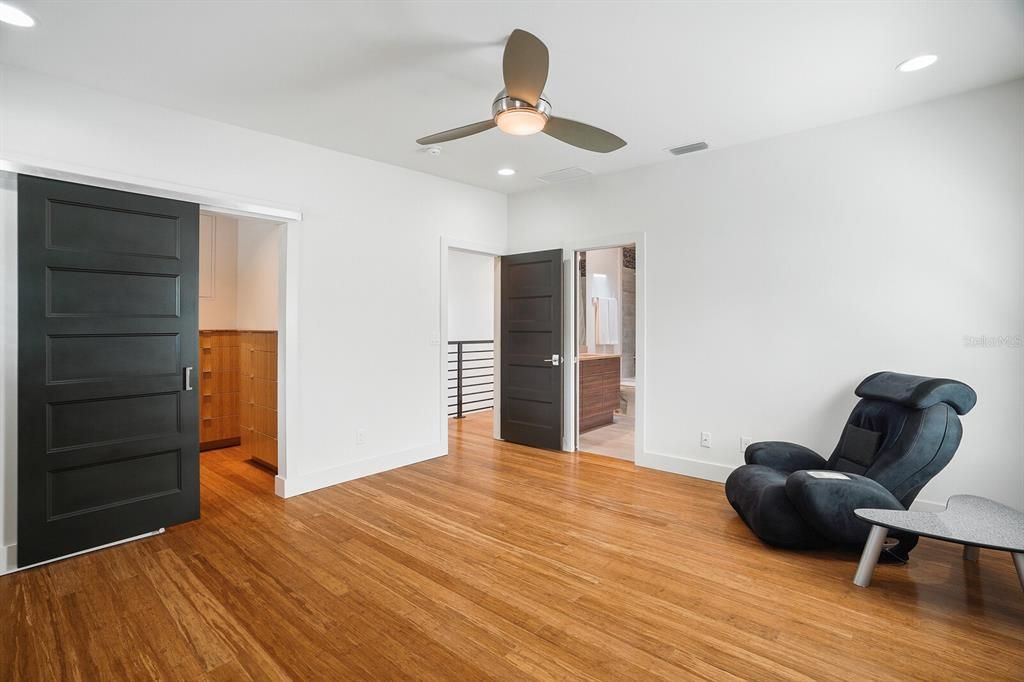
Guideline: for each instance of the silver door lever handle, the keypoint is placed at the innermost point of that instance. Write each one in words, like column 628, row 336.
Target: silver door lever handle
column 555, row 359
column 188, row 378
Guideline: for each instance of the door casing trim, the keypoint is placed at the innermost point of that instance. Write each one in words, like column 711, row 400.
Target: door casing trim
column 638, row 239
column 495, row 251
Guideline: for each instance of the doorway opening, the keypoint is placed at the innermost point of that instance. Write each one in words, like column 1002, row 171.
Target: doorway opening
column 605, row 317
column 240, row 297
column 469, row 365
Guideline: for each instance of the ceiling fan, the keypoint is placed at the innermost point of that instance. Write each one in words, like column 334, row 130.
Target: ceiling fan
column 521, row 108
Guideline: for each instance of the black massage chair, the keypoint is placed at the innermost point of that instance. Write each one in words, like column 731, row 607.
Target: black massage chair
column 904, row 430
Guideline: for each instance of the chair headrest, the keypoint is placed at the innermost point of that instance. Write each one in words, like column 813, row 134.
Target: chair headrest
column 918, row 392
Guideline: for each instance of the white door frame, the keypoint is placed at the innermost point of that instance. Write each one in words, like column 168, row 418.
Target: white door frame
column 287, row 338
column 495, row 251
column 570, row 377
column 288, row 390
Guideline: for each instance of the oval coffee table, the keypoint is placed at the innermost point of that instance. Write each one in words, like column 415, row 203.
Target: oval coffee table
column 967, row 520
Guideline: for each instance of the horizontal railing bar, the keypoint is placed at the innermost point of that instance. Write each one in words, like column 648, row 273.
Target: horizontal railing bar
column 455, row 343
column 490, row 390
column 475, row 409
column 480, row 393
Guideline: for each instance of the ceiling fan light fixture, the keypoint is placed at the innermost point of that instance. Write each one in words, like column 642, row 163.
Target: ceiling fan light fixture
column 521, row 121
column 521, row 107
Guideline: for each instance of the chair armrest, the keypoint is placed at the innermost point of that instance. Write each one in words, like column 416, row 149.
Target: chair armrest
column 786, row 457
column 827, row 504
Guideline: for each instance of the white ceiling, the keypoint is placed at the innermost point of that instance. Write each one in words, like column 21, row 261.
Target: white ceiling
column 370, row 78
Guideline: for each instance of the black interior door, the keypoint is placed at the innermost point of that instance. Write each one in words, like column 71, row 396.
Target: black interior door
column 108, row 442
column 531, row 347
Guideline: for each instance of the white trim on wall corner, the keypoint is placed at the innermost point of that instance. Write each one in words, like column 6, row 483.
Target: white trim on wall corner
column 305, row 483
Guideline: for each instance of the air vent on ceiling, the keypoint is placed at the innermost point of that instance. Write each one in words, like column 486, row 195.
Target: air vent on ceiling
column 564, row 175
column 687, row 148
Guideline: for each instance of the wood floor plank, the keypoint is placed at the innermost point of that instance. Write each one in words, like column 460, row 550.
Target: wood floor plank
column 498, row 562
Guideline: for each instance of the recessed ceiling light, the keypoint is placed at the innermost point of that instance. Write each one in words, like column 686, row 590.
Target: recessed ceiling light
column 15, row 17
column 917, row 63
column 506, row 171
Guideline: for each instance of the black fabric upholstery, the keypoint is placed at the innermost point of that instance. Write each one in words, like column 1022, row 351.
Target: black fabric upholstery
column 783, row 456
column 904, row 431
column 827, row 504
column 918, row 392
column 758, row 494
column 858, row 446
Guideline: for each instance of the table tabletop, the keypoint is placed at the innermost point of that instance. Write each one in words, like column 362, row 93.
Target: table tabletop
column 967, row 519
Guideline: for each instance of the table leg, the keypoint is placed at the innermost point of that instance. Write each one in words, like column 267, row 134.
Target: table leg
column 869, row 557
column 1018, row 562
column 971, row 553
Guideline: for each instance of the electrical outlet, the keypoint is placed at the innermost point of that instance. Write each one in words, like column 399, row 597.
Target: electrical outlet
column 360, row 436
column 745, row 443
column 705, row 439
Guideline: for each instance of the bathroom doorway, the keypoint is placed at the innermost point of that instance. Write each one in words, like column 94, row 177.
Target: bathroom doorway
column 605, row 323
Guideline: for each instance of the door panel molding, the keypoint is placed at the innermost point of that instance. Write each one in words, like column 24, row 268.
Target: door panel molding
column 108, row 441
column 531, row 344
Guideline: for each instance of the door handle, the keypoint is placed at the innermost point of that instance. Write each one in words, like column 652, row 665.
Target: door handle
column 188, row 378
column 555, row 359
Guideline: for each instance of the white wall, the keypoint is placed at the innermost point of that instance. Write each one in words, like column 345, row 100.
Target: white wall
column 470, row 296
column 366, row 289
column 782, row 272
column 259, row 253
column 218, row 263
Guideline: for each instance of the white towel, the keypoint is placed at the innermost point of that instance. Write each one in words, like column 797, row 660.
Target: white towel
column 607, row 321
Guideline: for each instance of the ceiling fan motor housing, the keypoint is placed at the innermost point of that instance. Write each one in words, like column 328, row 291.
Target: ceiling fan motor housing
column 519, row 117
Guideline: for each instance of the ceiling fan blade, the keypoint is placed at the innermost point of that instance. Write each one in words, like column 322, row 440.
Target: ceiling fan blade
column 525, row 66
column 456, row 133
column 582, row 135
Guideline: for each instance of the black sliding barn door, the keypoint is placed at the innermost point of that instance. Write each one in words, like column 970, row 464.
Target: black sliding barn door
column 531, row 347
column 108, row 443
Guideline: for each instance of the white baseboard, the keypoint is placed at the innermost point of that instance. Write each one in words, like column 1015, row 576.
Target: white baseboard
column 11, row 552
column 713, row 471
column 709, row 471
column 8, row 558
column 927, row 506
column 299, row 485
